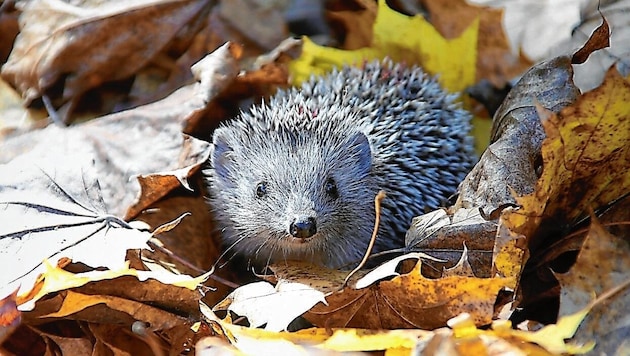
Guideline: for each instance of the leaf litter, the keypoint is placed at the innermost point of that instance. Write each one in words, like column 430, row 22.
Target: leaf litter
column 512, row 222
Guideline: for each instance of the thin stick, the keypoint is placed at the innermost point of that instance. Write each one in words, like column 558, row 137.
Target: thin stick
column 377, row 208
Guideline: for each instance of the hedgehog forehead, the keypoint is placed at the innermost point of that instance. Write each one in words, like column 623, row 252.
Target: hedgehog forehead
column 296, row 152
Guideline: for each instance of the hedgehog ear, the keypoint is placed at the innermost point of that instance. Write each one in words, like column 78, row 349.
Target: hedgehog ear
column 222, row 158
column 361, row 150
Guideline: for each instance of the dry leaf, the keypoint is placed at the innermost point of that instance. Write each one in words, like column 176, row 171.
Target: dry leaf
column 601, row 266
column 90, row 44
column 317, row 341
column 356, row 23
column 264, row 24
column 50, row 212
column 276, row 306
column 590, row 75
column 11, row 316
column 143, row 140
column 495, row 62
column 598, row 40
column 586, row 145
column 410, row 300
column 536, row 27
column 444, row 234
column 509, row 165
column 411, row 40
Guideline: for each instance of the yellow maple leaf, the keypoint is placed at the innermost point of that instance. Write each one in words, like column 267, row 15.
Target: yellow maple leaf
column 402, row 38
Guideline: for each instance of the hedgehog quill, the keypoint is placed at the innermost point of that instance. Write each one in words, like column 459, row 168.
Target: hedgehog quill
column 295, row 178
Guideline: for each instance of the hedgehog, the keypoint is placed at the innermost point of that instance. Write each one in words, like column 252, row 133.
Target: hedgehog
column 295, row 178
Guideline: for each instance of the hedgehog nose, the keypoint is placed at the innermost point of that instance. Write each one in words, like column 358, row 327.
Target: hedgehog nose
column 303, row 227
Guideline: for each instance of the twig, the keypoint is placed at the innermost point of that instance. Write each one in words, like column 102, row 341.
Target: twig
column 377, row 208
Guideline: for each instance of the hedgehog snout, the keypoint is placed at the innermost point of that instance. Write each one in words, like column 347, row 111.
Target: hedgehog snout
column 303, row 227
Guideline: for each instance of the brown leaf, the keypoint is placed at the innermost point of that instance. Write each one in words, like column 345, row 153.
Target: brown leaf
column 69, row 345
column 590, row 74
column 88, row 45
column 107, row 309
column 254, row 82
column 10, row 316
column 178, row 300
column 443, row 235
column 260, row 22
column 194, row 245
column 155, row 186
column 600, row 38
column 8, row 28
column 116, row 339
column 356, row 18
column 143, row 140
column 409, row 300
column 495, row 60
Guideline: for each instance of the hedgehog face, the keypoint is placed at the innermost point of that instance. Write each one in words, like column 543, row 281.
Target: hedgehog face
column 286, row 195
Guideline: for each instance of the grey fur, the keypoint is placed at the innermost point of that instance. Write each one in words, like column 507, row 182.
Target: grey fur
column 382, row 126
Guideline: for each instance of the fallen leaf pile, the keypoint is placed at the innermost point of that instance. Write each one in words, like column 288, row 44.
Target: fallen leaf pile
column 107, row 243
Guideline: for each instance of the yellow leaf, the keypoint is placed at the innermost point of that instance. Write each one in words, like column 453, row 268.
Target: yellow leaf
column 56, row 279
column 509, row 253
column 74, row 303
column 410, row 300
column 403, row 39
column 586, row 157
column 251, row 341
column 552, row 337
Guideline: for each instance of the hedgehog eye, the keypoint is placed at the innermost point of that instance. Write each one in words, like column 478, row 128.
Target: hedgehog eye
column 331, row 188
column 261, row 189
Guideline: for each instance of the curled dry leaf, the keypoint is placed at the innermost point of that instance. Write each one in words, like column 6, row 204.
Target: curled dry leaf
column 90, row 44
column 589, row 75
column 510, row 165
column 598, row 40
column 587, row 144
column 508, row 168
